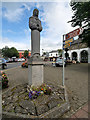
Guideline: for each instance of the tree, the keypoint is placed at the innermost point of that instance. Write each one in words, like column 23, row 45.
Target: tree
column 14, row 52
column 5, row 51
column 26, row 53
column 81, row 18
column 10, row 52
column 60, row 52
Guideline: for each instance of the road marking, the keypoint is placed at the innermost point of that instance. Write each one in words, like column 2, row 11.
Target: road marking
column 11, row 68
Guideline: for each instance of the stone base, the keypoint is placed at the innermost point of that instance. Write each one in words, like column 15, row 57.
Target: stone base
column 19, row 105
column 36, row 76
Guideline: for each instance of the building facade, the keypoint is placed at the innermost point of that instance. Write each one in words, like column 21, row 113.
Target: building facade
column 21, row 53
column 53, row 55
column 79, row 51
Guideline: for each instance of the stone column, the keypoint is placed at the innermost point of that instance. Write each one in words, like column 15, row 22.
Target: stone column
column 35, row 64
column 35, row 42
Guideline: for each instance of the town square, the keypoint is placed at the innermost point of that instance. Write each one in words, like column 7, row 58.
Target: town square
column 44, row 59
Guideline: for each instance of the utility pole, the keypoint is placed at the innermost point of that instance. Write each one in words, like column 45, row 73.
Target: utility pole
column 63, row 76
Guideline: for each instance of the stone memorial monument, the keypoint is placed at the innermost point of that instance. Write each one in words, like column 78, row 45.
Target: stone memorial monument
column 35, row 64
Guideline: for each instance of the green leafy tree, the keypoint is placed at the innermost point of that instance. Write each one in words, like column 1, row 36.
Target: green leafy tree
column 26, row 53
column 81, row 18
column 5, row 51
column 60, row 52
column 14, row 52
column 10, row 52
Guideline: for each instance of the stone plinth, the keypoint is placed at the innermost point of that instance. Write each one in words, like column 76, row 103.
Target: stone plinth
column 36, row 77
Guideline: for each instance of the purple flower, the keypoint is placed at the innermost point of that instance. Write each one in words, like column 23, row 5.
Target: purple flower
column 33, row 92
column 30, row 95
column 38, row 93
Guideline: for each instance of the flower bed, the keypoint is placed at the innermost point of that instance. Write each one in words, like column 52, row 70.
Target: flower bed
column 3, row 80
column 24, row 64
column 34, row 92
column 16, row 102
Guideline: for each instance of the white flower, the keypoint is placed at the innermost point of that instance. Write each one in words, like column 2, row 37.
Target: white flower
column 3, row 102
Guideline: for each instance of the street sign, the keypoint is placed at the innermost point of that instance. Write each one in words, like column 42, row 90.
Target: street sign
column 67, row 45
column 74, row 33
column 69, row 40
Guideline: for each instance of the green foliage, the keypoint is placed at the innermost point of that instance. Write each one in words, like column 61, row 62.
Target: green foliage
column 10, row 52
column 26, row 53
column 86, row 36
column 34, row 92
column 3, row 80
column 60, row 52
column 24, row 64
column 81, row 18
column 5, row 51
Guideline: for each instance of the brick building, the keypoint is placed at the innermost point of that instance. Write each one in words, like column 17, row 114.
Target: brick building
column 21, row 53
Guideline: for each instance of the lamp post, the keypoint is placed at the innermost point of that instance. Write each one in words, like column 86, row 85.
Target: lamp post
column 42, row 52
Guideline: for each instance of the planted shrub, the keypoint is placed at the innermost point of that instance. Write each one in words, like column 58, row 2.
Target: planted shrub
column 24, row 64
column 3, row 80
column 34, row 92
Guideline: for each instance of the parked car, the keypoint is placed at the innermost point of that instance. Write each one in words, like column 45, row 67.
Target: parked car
column 14, row 59
column 21, row 60
column 10, row 60
column 59, row 62
column 3, row 64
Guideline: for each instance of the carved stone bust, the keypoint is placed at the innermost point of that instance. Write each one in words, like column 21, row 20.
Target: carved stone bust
column 34, row 22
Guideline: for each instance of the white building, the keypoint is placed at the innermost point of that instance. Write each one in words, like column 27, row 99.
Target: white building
column 79, row 51
column 53, row 55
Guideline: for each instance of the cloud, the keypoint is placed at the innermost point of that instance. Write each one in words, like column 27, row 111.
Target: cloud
column 54, row 17
column 14, row 12
column 36, row 0
column 10, row 43
column 15, row 15
column 27, row 7
column 10, row 31
column 49, row 44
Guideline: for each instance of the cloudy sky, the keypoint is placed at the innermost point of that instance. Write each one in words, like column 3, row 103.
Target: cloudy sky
column 15, row 23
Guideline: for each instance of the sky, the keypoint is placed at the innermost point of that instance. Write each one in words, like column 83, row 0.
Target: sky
column 15, row 31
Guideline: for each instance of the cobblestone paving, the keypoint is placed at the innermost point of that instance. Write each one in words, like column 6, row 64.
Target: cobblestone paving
column 76, row 81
